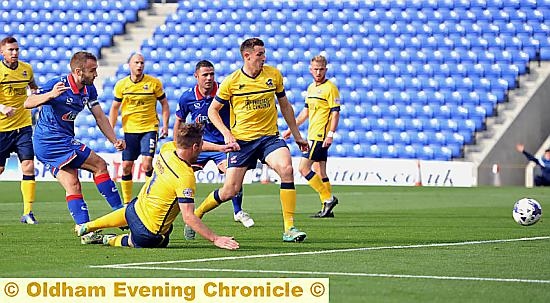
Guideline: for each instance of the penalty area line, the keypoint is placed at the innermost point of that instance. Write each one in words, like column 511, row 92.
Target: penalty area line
column 321, row 252
column 320, row 273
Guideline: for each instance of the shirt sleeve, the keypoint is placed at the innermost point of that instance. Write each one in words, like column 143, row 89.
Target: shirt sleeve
column 117, row 91
column 185, row 191
column 181, row 110
column 159, row 90
column 224, row 93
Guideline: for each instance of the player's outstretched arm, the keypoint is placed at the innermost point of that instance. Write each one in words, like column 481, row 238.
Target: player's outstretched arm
column 197, row 225
column 106, row 128
column 216, row 119
column 37, row 100
column 165, row 118
column 302, row 117
column 113, row 113
column 288, row 115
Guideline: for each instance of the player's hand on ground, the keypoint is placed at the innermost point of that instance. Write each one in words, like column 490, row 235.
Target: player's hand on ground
column 302, row 144
column 120, row 145
column 58, row 89
column 8, row 111
column 286, row 134
column 226, row 243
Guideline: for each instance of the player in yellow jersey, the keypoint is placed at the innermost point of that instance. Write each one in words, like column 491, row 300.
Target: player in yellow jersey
column 15, row 121
column 170, row 189
column 323, row 109
column 136, row 95
column 252, row 92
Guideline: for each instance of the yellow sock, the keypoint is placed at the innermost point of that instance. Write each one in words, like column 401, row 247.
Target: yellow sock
column 117, row 241
column 207, row 205
column 116, row 218
column 288, row 204
column 126, row 187
column 327, row 184
column 28, row 190
column 317, row 184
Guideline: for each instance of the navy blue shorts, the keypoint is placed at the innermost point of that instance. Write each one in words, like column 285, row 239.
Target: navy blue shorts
column 252, row 151
column 139, row 144
column 19, row 141
column 316, row 151
column 206, row 156
column 140, row 235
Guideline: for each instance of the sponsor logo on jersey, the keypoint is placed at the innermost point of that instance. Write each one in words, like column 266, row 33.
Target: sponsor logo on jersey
column 70, row 116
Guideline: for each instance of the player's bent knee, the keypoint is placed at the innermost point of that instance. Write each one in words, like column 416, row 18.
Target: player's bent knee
column 286, row 171
column 228, row 192
column 27, row 166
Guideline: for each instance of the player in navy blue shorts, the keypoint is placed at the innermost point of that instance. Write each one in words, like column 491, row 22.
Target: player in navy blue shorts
column 254, row 93
column 61, row 100
column 195, row 102
column 15, row 122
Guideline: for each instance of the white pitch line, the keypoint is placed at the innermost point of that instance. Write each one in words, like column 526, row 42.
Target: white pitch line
column 320, row 273
column 128, row 265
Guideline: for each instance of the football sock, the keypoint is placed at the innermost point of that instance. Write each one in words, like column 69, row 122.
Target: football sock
column 316, row 183
column 28, row 190
column 212, row 201
column 238, row 201
column 126, row 185
column 327, row 184
column 116, row 218
column 288, row 204
column 108, row 190
column 120, row 240
column 78, row 208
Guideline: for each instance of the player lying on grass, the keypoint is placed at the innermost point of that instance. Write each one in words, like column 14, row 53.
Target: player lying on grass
column 170, row 189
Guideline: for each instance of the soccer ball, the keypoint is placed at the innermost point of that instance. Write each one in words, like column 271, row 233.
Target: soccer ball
column 527, row 211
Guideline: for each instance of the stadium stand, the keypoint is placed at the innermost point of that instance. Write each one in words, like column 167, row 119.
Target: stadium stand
column 417, row 78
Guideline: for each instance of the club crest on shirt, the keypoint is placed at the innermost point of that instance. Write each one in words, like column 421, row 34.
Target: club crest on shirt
column 25, row 73
column 145, row 87
column 188, row 193
column 197, row 105
column 269, row 82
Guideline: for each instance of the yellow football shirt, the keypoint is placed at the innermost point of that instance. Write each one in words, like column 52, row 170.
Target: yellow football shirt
column 139, row 103
column 173, row 182
column 321, row 100
column 13, row 92
column 252, row 101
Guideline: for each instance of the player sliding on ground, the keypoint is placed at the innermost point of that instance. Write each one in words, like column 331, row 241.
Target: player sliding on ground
column 170, row 189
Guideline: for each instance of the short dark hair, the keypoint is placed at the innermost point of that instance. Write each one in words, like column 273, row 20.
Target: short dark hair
column 7, row 40
column 79, row 59
column 188, row 134
column 249, row 44
column 203, row 63
column 547, row 151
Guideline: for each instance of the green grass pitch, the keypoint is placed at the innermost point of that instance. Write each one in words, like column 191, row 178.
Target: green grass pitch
column 386, row 244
